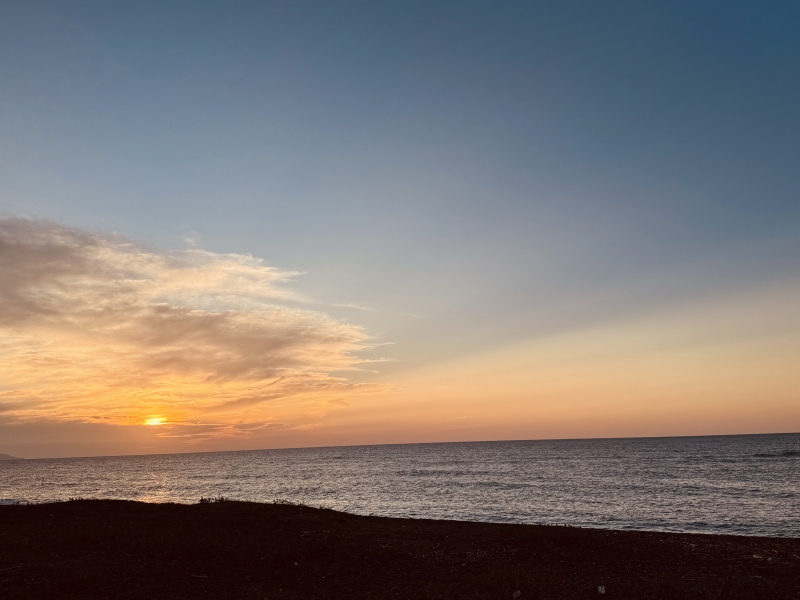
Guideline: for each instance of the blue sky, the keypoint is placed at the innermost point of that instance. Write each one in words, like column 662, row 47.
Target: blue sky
column 473, row 173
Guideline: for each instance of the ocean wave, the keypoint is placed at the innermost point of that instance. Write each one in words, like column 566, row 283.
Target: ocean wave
column 784, row 454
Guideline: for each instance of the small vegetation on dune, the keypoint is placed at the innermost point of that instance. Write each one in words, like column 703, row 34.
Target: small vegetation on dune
column 212, row 499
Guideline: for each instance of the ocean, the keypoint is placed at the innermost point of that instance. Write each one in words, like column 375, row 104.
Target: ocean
column 748, row 485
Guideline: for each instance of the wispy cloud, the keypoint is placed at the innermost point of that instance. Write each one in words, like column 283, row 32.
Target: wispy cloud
column 356, row 307
column 96, row 327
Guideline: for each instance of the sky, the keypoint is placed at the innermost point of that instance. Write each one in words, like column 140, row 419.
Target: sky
column 238, row 225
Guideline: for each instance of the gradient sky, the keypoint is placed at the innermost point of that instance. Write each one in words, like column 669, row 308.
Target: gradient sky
column 249, row 224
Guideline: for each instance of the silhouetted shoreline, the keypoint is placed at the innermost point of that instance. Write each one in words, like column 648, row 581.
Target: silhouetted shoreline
column 121, row 549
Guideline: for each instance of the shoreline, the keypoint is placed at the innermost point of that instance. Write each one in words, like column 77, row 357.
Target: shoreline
column 232, row 549
column 24, row 502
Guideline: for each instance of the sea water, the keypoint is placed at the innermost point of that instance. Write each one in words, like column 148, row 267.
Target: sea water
column 724, row 484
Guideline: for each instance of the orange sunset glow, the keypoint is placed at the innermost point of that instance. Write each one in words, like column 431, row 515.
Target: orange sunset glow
column 201, row 348
column 100, row 330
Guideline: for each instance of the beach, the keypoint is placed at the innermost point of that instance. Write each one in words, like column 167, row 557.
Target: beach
column 246, row 550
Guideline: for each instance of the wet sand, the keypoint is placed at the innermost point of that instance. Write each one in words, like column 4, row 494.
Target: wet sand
column 117, row 549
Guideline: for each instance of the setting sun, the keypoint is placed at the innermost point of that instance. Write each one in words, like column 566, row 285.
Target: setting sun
column 155, row 421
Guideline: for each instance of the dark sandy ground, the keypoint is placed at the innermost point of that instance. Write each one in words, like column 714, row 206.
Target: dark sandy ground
column 115, row 549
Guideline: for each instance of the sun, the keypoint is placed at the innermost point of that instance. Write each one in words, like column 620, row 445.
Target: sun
column 155, row 421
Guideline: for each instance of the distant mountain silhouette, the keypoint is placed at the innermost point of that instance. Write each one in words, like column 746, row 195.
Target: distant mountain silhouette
column 9, row 457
